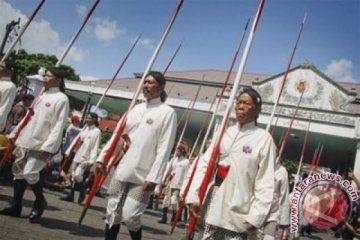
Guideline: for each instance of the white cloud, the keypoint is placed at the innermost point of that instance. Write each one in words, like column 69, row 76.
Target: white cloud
column 39, row 37
column 340, row 70
column 147, row 43
column 81, row 10
column 105, row 29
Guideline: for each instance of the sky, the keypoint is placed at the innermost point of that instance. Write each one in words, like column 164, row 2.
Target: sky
column 209, row 31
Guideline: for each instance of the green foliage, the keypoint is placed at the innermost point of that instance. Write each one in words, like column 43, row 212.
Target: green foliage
column 105, row 137
column 291, row 166
column 29, row 64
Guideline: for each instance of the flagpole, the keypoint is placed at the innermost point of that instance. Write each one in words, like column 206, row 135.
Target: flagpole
column 22, row 30
column 121, row 124
column 286, row 73
column 215, row 152
column 117, row 72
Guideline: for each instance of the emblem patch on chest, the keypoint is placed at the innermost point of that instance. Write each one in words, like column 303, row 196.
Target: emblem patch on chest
column 149, row 121
column 47, row 104
column 247, row 149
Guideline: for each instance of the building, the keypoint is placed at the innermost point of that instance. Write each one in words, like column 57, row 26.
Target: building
column 332, row 108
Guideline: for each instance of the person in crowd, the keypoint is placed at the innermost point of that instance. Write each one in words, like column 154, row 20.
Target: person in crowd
column 151, row 127
column 177, row 168
column 85, row 157
column 7, row 91
column 18, row 112
column 37, row 142
column 243, row 200
column 280, row 209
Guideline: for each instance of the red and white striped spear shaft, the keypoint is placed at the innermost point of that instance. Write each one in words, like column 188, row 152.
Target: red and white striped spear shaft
column 193, row 169
column 224, row 123
column 303, row 149
column 318, row 157
column 313, row 161
column 121, row 124
column 28, row 115
column 116, row 156
column 168, row 172
column 22, row 31
column 286, row 137
column 117, row 71
column 82, row 25
column 172, row 59
column 286, row 73
column 181, row 206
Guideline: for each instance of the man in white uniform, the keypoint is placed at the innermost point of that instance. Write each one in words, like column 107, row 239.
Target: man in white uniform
column 151, row 126
column 7, row 91
column 85, row 157
column 37, row 142
column 178, row 168
column 280, row 209
column 243, row 200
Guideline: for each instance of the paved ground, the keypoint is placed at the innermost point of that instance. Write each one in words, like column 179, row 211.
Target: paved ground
column 60, row 219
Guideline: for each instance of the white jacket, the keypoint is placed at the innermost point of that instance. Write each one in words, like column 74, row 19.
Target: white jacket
column 44, row 130
column 151, row 127
column 246, row 193
column 7, row 97
column 87, row 151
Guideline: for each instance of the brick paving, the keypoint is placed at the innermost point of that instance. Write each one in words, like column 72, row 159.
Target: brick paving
column 59, row 220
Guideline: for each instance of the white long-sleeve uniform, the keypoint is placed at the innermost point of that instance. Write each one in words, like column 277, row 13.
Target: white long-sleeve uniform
column 151, row 127
column 44, row 130
column 280, row 210
column 180, row 167
column 246, row 193
column 87, row 151
column 7, row 97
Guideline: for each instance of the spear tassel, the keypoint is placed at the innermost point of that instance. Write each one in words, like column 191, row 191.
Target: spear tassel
column 121, row 124
column 225, row 120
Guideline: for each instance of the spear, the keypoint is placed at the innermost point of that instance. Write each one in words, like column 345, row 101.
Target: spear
column 313, row 161
column 117, row 71
column 168, row 172
column 224, row 123
column 284, row 141
column 302, row 154
column 116, row 156
column 22, row 30
column 172, row 59
column 181, row 206
column 210, row 123
column 30, row 112
column 121, row 124
column 286, row 73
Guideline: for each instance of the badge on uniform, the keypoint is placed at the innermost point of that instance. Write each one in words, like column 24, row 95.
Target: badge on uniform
column 247, row 149
column 149, row 121
column 47, row 104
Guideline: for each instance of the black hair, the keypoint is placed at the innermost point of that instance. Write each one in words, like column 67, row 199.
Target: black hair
column 60, row 73
column 28, row 97
column 95, row 117
column 11, row 65
column 161, row 80
column 255, row 96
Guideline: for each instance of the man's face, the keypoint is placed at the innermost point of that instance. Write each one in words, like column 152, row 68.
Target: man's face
column 4, row 72
column 89, row 120
column 151, row 88
column 50, row 80
column 246, row 110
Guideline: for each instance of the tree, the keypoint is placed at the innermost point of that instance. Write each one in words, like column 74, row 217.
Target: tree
column 29, row 64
